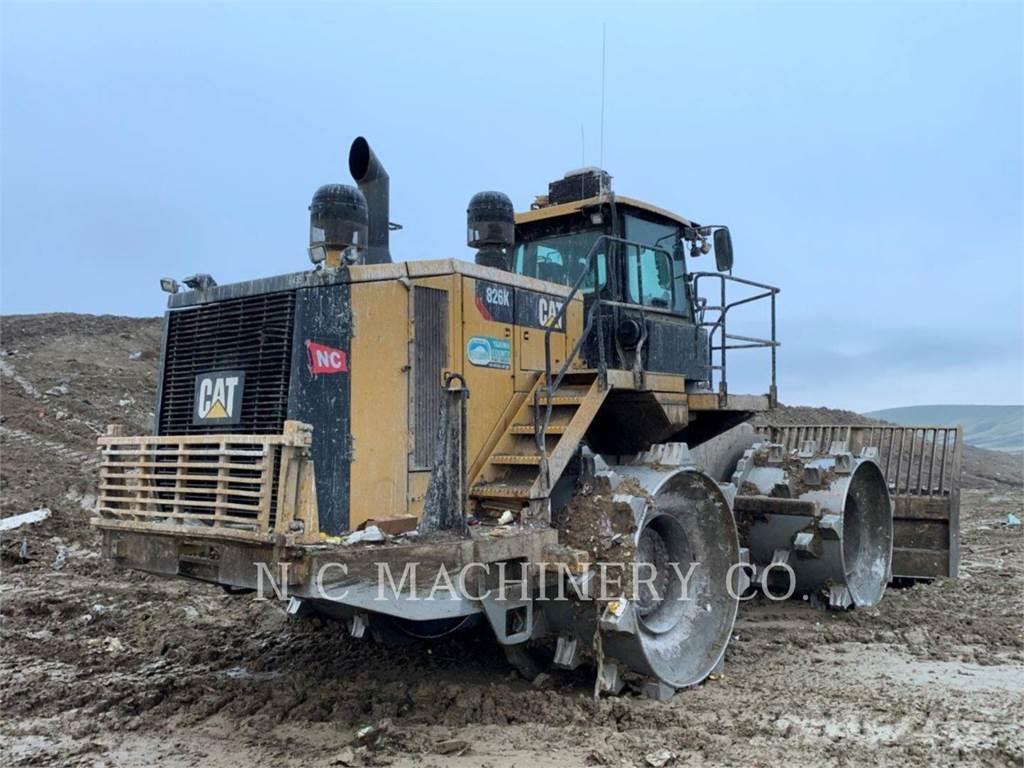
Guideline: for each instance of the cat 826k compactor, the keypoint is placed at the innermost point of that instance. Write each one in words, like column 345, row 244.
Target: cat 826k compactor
column 552, row 418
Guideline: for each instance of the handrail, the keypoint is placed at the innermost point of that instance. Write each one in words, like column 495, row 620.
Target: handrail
column 719, row 326
column 551, row 380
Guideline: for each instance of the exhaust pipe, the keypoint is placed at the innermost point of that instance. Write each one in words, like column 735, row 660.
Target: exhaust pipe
column 373, row 182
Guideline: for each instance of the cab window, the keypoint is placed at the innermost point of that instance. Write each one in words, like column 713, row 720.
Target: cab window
column 649, row 277
column 662, row 236
column 561, row 259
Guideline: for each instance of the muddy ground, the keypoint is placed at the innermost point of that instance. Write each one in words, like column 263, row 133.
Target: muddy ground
column 106, row 667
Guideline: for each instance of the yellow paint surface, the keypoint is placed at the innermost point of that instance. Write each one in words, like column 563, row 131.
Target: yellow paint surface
column 380, row 397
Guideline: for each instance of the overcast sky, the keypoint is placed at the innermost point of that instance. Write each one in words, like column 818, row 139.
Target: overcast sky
column 867, row 157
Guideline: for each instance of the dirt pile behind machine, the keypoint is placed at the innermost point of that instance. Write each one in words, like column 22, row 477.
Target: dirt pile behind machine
column 538, row 440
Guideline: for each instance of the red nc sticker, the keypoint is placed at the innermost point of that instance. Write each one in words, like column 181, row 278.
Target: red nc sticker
column 324, row 359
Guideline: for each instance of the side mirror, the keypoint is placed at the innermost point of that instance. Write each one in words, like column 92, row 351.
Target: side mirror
column 723, row 249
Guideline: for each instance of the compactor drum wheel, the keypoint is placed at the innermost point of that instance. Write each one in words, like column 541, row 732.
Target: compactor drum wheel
column 677, row 628
column 828, row 518
column 673, row 620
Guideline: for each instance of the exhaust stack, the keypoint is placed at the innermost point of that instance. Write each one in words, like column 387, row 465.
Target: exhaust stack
column 373, row 182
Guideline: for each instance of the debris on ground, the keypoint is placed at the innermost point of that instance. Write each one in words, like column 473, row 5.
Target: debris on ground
column 451, row 747
column 371, row 534
column 395, row 525
column 659, row 758
column 14, row 522
column 543, row 681
column 371, row 734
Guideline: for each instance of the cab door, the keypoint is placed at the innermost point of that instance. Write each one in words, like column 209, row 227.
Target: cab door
column 654, row 300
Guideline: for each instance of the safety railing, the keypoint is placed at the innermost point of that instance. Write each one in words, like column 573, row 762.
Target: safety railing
column 720, row 341
column 553, row 379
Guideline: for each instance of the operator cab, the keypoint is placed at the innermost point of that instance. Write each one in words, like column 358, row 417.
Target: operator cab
column 554, row 239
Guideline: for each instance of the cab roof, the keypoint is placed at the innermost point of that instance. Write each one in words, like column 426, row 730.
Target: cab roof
column 554, row 211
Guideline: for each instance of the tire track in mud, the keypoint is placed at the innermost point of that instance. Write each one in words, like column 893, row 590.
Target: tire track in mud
column 87, row 461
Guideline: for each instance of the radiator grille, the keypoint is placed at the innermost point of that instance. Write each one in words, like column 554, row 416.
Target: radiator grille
column 430, row 356
column 251, row 334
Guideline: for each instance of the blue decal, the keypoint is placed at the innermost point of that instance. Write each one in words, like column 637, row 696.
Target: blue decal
column 489, row 352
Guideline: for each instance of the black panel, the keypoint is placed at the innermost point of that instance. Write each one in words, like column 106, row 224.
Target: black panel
column 538, row 310
column 673, row 345
column 495, row 302
column 430, row 356
column 676, row 346
column 580, row 186
column 252, row 335
column 323, row 317
column 518, row 306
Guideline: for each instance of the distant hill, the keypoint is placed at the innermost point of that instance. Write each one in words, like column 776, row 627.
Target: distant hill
column 995, row 427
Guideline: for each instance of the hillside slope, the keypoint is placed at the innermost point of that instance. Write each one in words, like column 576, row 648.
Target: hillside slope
column 995, row 427
column 64, row 378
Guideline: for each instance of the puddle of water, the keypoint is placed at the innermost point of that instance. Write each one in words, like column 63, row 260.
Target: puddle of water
column 896, row 665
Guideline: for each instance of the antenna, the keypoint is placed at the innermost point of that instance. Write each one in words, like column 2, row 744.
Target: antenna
column 601, row 153
column 583, row 160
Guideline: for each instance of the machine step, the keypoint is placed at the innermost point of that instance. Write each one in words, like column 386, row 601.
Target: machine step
column 529, row 429
column 563, row 399
column 566, row 388
column 515, row 458
column 513, row 471
column 501, row 491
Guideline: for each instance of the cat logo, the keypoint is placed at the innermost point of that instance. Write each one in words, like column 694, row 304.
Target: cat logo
column 547, row 312
column 219, row 397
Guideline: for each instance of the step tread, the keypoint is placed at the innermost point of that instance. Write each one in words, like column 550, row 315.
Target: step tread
column 559, row 399
column 515, row 458
column 529, row 429
column 501, row 490
column 573, row 390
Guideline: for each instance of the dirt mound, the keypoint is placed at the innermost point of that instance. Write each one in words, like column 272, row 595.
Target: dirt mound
column 64, row 378
column 808, row 414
